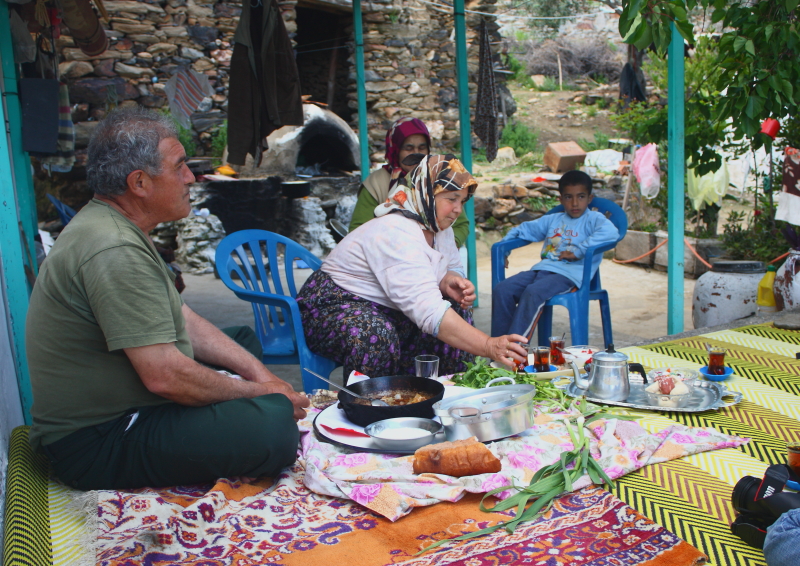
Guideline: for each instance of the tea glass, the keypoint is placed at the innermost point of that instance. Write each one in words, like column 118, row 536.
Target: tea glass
column 542, row 360
column 557, row 345
column 716, row 360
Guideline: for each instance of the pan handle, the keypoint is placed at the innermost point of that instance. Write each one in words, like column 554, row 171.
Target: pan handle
column 499, row 379
column 472, row 412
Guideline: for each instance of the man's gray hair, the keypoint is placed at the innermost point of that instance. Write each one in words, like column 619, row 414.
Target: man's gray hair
column 126, row 141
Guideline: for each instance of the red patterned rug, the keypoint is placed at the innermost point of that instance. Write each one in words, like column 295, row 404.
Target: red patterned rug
column 285, row 524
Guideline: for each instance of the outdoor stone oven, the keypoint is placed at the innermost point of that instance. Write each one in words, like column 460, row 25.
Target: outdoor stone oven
column 324, row 139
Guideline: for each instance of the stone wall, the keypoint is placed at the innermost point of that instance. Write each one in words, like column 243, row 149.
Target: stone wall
column 410, row 68
column 149, row 42
column 410, row 63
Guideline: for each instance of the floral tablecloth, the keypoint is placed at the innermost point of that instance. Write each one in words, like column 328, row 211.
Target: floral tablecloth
column 387, row 485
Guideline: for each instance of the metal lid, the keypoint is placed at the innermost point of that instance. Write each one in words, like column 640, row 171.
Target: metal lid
column 489, row 399
column 609, row 355
column 737, row 266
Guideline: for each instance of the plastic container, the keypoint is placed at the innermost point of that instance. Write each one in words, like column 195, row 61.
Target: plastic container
column 766, row 297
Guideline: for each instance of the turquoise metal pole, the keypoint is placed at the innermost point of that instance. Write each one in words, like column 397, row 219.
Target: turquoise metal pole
column 675, row 185
column 363, row 133
column 26, row 199
column 12, row 252
column 462, row 77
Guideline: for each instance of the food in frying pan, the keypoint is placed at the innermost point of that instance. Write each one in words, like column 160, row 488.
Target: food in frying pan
column 396, row 397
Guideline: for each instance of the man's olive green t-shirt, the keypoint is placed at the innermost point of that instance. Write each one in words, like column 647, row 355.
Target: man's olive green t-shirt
column 102, row 288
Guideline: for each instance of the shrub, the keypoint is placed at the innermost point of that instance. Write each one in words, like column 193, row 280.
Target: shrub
column 219, row 140
column 519, row 136
column 600, row 142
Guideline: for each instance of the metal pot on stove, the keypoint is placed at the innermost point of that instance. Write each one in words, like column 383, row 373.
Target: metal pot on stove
column 487, row 414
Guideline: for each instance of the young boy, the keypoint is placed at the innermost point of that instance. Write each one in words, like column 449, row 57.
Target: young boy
column 516, row 301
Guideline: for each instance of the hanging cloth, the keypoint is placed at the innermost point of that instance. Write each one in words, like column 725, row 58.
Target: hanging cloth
column 264, row 92
column 708, row 189
column 789, row 198
column 185, row 91
column 64, row 157
column 486, row 107
column 629, row 86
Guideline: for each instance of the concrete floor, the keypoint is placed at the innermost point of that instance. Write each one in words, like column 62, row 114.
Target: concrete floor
column 638, row 304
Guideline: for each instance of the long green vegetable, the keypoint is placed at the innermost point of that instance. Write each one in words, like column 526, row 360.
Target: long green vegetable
column 546, row 484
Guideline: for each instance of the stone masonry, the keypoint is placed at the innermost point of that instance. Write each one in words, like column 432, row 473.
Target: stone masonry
column 409, row 51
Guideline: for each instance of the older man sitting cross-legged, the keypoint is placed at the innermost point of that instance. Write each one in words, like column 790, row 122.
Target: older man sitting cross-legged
column 120, row 400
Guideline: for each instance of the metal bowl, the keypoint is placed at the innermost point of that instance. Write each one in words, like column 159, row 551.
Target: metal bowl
column 668, row 401
column 430, row 427
column 686, row 375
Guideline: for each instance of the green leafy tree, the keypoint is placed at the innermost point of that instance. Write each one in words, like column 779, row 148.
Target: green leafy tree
column 756, row 67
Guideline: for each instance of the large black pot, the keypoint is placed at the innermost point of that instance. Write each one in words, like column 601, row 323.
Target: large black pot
column 364, row 415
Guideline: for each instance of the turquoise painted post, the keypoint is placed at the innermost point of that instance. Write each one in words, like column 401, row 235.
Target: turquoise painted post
column 465, row 130
column 363, row 133
column 11, row 245
column 676, row 185
column 26, row 198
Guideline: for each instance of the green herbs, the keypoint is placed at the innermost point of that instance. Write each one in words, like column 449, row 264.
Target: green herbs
column 548, row 483
column 480, row 373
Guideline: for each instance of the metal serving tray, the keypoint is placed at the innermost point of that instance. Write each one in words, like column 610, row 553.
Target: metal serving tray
column 706, row 396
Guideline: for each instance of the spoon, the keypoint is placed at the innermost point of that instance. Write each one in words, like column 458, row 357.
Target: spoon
column 373, row 402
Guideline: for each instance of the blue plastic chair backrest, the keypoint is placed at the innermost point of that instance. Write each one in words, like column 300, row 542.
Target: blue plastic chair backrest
column 609, row 208
column 253, row 258
column 65, row 213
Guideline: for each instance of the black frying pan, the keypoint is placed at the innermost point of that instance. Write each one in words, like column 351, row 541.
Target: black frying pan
column 364, row 415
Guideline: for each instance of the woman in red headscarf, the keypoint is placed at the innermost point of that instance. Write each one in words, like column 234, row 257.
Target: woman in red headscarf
column 407, row 136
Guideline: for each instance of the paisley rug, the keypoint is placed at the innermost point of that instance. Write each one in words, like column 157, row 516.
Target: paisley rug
column 286, row 524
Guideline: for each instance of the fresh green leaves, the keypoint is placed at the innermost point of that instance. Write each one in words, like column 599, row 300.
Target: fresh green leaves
column 546, row 485
column 480, row 373
column 756, row 65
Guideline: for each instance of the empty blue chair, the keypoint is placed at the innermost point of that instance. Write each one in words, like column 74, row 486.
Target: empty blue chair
column 577, row 302
column 277, row 317
column 65, row 213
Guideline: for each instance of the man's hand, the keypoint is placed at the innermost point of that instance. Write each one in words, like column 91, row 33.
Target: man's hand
column 299, row 400
column 506, row 262
column 567, row 256
column 459, row 289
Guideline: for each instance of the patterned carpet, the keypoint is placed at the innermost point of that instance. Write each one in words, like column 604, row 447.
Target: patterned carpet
column 692, row 497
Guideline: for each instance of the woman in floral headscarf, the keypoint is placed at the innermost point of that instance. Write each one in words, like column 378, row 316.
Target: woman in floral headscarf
column 407, row 136
column 394, row 289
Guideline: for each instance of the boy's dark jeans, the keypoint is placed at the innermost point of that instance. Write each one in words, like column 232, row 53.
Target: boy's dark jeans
column 516, row 301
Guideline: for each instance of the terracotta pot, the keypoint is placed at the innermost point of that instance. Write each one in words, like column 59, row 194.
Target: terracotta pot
column 787, row 283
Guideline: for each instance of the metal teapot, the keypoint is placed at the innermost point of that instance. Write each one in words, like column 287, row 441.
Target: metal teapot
column 608, row 377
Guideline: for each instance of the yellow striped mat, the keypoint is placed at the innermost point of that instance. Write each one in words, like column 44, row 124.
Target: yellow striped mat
column 692, row 496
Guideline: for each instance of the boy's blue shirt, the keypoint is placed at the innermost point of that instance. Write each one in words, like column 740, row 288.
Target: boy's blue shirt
column 560, row 232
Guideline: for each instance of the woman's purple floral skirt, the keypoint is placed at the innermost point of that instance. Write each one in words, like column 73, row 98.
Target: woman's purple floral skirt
column 367, row 337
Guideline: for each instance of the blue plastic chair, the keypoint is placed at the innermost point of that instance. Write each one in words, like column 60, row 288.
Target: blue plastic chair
column 277, row 316
column 576, row 302
column 65, row 213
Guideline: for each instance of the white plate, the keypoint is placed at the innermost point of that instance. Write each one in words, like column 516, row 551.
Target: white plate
column 334, row 417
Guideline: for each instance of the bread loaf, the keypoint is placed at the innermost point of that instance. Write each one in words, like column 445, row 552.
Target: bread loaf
column 459, row 458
